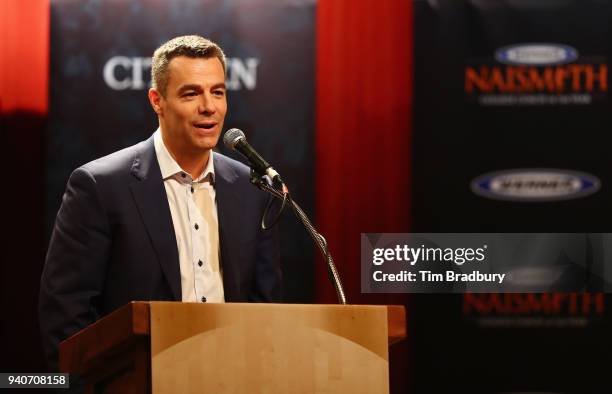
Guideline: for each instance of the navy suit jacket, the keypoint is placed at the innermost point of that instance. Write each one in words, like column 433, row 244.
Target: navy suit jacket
column 113, row 242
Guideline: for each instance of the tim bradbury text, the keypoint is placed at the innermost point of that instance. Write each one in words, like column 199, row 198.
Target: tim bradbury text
column 428, row 276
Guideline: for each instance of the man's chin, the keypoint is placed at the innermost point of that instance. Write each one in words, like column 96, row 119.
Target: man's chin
column 206, row 143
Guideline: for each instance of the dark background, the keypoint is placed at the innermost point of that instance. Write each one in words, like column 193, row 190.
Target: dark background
column 454, row 141
column 449, row 141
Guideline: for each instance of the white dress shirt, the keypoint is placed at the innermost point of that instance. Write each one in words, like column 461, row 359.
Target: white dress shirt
column 201, row 276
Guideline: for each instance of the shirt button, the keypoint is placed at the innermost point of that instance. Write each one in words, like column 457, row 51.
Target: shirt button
column 192, row 189
column 196, row 226
column 203, row 299
column 200, row 263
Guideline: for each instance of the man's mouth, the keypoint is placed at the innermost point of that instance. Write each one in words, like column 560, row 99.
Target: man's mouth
column 205, row 126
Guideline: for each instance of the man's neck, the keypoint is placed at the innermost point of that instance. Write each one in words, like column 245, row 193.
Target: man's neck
column 193, row 164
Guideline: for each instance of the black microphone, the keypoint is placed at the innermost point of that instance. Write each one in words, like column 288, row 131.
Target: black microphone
column 234, row 139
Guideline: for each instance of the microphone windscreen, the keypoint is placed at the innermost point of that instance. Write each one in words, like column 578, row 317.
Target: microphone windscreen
column 231, row 137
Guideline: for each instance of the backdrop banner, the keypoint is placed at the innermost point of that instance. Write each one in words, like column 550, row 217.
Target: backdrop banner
column 100, row 74
column 512, row 113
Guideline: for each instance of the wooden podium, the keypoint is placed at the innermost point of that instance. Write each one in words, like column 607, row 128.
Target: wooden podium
column 174, row 347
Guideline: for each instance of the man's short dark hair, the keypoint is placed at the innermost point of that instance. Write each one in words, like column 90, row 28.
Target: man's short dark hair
column 190, row 46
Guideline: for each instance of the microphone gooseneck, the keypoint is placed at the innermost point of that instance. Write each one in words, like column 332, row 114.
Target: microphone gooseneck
column 235, row 139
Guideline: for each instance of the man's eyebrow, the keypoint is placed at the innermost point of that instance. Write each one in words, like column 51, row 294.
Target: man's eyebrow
column 219, row 85
column 192, row 86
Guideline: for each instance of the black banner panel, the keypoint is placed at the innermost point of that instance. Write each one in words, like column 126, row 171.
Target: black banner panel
column 512, row 112
column 100, row 73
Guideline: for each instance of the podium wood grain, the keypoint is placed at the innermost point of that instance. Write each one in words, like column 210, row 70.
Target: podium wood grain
column 170, row 347
column 267, row 348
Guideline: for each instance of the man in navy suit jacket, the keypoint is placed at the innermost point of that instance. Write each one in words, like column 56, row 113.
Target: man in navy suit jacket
column 114, row 239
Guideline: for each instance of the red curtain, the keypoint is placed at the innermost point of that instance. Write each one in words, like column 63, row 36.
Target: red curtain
column 24, row 55
column 363, row 130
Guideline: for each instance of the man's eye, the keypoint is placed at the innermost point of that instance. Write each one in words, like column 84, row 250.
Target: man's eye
column 219, row 93
column 189, row 94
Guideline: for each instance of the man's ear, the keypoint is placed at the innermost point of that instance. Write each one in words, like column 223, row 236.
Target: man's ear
column 155, row 99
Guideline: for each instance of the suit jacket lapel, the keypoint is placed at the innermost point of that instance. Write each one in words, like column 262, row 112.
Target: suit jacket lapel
column 150, row 197
column 225, row 176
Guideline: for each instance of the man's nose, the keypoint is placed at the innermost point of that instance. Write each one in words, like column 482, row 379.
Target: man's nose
column 206, row 105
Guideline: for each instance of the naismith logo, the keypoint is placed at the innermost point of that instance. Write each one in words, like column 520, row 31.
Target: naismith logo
column 533, row 74
column 535, row 185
